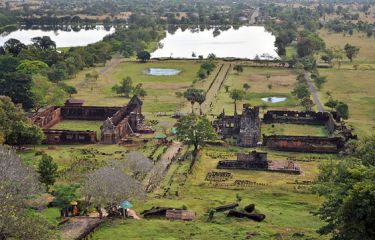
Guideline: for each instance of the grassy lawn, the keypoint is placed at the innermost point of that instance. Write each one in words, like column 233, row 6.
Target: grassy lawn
column 282, row 81
column 366, row 44
column 357, row 89
column 161, row 90
column 287, row 207
column 293, row 130
column 77, row 125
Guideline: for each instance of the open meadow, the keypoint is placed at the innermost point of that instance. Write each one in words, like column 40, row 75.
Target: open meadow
column 161, row 90
column 280, row 83
column 286, row 203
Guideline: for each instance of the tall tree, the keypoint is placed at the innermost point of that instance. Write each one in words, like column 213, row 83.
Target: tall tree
column 47, row 170
column 143, row 56
column 237, row 95
column 125, row 88
column 17, row 86
column 14, row 46
column 351, row 51
column 195, row 130
column 192, row 95
column 201, row 98
column 43, row 43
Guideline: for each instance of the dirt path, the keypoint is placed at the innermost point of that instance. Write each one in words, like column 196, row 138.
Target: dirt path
column 79, row 227
column 215, row 87
column 313, row 92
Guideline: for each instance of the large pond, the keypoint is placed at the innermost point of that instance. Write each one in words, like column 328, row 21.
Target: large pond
column 245, row 42
column 63, row 38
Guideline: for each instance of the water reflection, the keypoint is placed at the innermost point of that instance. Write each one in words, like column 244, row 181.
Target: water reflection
column 245, row 42
column 64, row 35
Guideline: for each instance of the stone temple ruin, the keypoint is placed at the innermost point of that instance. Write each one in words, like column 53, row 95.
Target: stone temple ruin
column 258, row 161
column 118, row 122
column 246, row 130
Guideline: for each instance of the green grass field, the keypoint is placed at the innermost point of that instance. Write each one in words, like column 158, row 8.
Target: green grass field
column 287, row 207
column 357, row 89
column 77, row 125
column 161, row 90
column 293, row 130
column 282, row 81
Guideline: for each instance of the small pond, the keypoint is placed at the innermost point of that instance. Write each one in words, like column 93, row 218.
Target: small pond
column 161, row 71
column 273, row 99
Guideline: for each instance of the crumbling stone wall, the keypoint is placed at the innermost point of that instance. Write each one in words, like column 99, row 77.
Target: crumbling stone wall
column 296, row 117
column 46, row 118
column 252, row 160
column 128, row 120
column 88, row 112
column 304, row 143
column 54, row 136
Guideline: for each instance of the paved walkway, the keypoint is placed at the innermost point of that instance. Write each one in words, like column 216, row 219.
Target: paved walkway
column 78, row 227
column 215, row 87
column 314, row 93
column 164, row 162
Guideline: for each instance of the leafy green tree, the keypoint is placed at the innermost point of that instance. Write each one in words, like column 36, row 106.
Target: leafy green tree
column 342, row 110
column 47, row 170
column 301, row 91
column 348, row 187
column 139, row 90
column 351, row 51
column 17, row 86
column 201, row 98
column 125, row 88
column 14, row 46
column 8, row 63
column 236, row 95
column 67, row 88
column 246, row 86
column 32, row 67
column 64, row 194
column 46, row 93
column 319, row 81
column 238, row 68
column 195, row 130
column 14, row 127
column 44, row 43
column 143, row 56
column 307, row 103
column 192, row 95
column 331, row 104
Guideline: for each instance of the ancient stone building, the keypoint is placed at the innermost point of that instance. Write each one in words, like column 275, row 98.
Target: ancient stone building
column 118, row 122
column 245, row 128
column 258, row 161
column 252, row 160
column 128, row 120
